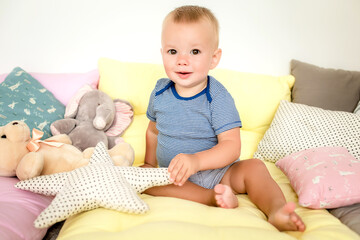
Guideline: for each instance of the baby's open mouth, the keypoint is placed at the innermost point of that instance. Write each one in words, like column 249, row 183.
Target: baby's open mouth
column 183, row 74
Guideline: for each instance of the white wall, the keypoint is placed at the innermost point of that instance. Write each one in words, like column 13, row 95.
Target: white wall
column 260, row 36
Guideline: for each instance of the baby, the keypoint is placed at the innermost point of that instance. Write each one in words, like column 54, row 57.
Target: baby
column 194, row 127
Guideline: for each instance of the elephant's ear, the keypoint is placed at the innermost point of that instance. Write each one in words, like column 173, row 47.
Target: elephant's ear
column 73, row 105
column 123, row 118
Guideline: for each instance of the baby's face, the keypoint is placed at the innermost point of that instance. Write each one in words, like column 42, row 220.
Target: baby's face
column 189, row 51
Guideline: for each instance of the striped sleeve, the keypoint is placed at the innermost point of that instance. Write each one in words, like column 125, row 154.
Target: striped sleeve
column 224, row 113
column 150, row 110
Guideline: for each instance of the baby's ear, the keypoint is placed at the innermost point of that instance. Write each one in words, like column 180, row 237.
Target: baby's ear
column 216, row 58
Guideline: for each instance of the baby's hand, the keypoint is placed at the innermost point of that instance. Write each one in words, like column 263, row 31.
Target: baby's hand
column 181, row 167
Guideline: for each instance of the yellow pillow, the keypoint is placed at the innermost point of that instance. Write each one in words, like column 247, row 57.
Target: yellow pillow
column 256, row 96
column 133, row 82
column 249, row 142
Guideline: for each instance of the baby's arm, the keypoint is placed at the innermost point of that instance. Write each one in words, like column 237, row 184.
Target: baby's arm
column 182, row 166
column 151, row 143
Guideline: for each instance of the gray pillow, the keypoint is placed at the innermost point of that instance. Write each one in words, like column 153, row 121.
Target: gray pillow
column 326, row 88
column 349, row 215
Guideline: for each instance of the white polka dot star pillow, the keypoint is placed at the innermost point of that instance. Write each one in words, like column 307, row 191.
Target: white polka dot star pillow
column 99, row 184
column 297, row 127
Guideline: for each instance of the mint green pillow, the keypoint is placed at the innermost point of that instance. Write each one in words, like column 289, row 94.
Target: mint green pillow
column 23, row 98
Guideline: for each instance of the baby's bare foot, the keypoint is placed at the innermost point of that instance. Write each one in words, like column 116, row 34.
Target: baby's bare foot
column 225, row 197
column 285, row 219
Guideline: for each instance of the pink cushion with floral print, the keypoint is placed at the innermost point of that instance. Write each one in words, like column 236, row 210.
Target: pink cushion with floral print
column 324, row 177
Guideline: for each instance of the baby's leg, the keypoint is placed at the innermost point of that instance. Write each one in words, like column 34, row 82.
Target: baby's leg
column 188, row 191
column 252, row 177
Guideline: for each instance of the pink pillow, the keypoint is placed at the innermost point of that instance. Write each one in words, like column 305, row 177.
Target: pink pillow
column 324, row 177
column 2, row 77
column 18, row 211
column 64, row 85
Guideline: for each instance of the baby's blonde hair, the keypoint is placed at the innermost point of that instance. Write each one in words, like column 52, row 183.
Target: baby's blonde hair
column 192, row 14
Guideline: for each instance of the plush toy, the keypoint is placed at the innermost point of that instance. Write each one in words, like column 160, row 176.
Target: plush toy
column 91, row 117
column 26, row 157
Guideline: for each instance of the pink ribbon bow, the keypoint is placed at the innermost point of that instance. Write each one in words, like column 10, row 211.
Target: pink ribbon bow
column 35, row 141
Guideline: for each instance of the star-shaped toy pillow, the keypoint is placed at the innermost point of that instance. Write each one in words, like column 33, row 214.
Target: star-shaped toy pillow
column 99, row 184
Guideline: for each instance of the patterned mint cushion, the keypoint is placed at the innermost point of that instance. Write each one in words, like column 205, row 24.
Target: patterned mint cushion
column 22, row 97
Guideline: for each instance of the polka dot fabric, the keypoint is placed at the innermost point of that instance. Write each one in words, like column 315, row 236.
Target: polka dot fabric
column 297, row 127
column 141, row 179
column 357, row 109
column 99, row 184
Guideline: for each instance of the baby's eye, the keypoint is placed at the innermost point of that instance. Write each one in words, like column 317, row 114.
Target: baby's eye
column 195, row 51
column 172, row 51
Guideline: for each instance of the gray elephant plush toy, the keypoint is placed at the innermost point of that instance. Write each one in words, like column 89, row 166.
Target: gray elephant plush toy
column 92, row 116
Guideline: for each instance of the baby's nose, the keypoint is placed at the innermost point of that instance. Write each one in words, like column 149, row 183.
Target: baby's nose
column 182, row 60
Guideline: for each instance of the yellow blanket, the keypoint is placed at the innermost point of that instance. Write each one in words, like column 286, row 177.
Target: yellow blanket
column 171, row 218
